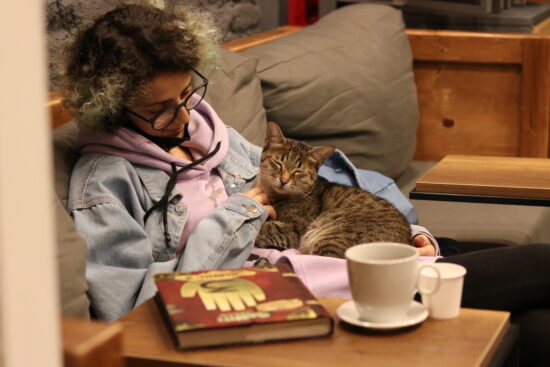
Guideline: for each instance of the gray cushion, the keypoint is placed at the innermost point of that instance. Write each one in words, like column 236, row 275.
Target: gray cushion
column 71, row 248
column 235, row 92
column 71, row 262
column 65, row 157
column 346, row 81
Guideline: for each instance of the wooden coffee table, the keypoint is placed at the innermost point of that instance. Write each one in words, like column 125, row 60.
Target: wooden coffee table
column 472, row 339
column 484, row 179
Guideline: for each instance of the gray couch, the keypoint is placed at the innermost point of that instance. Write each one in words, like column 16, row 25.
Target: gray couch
column 345, row 81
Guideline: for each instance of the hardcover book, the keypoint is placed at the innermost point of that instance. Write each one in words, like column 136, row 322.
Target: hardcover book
column 247, row 305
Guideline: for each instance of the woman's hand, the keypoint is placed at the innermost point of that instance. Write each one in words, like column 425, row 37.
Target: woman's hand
column 258, row 195
column 423, row 245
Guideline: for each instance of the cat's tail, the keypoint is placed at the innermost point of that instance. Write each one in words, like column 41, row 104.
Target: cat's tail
column 334, row 231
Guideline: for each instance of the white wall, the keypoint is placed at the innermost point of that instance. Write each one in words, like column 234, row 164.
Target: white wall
column 29, row 322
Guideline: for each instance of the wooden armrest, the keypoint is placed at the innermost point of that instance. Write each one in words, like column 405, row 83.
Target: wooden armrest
column 91, row 343
column 260, row 38
column 58, row 113
column 481, row 93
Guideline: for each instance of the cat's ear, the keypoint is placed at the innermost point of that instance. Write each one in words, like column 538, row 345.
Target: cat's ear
column 321, row 154
column 273, row 134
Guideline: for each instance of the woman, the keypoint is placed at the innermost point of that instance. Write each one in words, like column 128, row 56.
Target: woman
column 163, row 184
column 159, row 172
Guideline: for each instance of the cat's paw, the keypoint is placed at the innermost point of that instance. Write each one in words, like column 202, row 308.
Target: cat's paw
column 262, row 241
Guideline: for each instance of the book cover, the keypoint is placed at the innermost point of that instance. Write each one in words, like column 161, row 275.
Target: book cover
column 247, row 305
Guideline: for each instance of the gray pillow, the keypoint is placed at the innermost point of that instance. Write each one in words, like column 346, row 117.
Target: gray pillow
column 346, row 81
column 71, row 263
column 71, row 248
column 65, row 157
column 235, row 92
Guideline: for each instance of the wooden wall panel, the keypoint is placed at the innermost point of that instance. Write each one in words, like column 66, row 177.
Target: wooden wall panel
column 465, row 46
column 482, row 93
column 467, row 108
column 535, row 98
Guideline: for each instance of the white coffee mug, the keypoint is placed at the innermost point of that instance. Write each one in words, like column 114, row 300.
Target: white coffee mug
column 445, row 303
column 383, row 277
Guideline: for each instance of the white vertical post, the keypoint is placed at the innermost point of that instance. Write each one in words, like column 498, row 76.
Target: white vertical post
column 29, row 316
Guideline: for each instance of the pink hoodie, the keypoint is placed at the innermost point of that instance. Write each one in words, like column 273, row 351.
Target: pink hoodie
column 201, row 186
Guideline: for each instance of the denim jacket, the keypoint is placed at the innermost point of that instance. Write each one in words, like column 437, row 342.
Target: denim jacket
column 109, row 196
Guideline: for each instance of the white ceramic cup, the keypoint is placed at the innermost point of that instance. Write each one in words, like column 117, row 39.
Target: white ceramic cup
column 445, row 303
column 383, row 277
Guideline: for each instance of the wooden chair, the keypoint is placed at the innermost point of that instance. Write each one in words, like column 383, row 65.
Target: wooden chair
column 91, row 343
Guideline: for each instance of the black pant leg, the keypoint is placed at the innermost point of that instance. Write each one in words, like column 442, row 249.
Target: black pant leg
column 515, row 279
column 512, row 278
column 534, row 346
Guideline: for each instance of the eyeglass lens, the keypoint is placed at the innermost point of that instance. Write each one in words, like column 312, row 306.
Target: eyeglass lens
column 165, row 118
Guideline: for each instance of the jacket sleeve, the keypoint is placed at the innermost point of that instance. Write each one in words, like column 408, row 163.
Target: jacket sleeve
column 224, row 239
column 106, row 210
column 120, row 265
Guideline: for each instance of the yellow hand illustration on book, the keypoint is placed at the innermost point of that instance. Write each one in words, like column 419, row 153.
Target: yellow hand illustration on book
column 224, row 294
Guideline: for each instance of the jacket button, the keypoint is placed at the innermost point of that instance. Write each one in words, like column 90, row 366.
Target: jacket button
column 250, row 209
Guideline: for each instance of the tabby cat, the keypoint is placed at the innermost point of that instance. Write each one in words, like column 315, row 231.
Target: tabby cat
column 316, row 216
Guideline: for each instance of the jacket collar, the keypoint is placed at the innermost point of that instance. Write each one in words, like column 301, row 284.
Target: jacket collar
column 232, row 166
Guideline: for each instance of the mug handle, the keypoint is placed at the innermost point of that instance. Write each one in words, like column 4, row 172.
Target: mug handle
column 438, row 284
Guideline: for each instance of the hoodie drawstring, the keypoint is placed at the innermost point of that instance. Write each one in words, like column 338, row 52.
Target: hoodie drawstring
column 163, row 202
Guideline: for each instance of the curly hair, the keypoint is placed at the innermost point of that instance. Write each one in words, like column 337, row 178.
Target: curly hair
column 108, row 62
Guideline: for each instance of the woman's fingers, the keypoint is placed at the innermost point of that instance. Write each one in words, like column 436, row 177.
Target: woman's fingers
column 271, row 211
column 252, row 192
column 424, row 245
column 259, row 196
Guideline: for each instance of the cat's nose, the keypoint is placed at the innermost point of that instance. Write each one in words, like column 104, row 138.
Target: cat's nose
column 284, row 177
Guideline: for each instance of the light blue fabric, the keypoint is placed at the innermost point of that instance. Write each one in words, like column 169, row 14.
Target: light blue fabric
column 108, row 198
column 339, row 169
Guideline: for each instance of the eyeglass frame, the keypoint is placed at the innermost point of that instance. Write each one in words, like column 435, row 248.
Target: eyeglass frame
column 177, row 108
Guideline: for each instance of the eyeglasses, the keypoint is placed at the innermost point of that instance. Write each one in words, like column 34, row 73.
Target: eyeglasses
column 165, row 117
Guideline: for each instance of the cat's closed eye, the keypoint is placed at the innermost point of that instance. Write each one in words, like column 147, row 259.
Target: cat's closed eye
column 299, row 175
column 276, row 166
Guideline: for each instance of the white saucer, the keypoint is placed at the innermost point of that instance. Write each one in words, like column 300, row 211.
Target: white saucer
column 348, row 313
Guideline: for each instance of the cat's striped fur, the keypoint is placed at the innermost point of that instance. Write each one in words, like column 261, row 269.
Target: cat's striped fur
column 316, row 216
